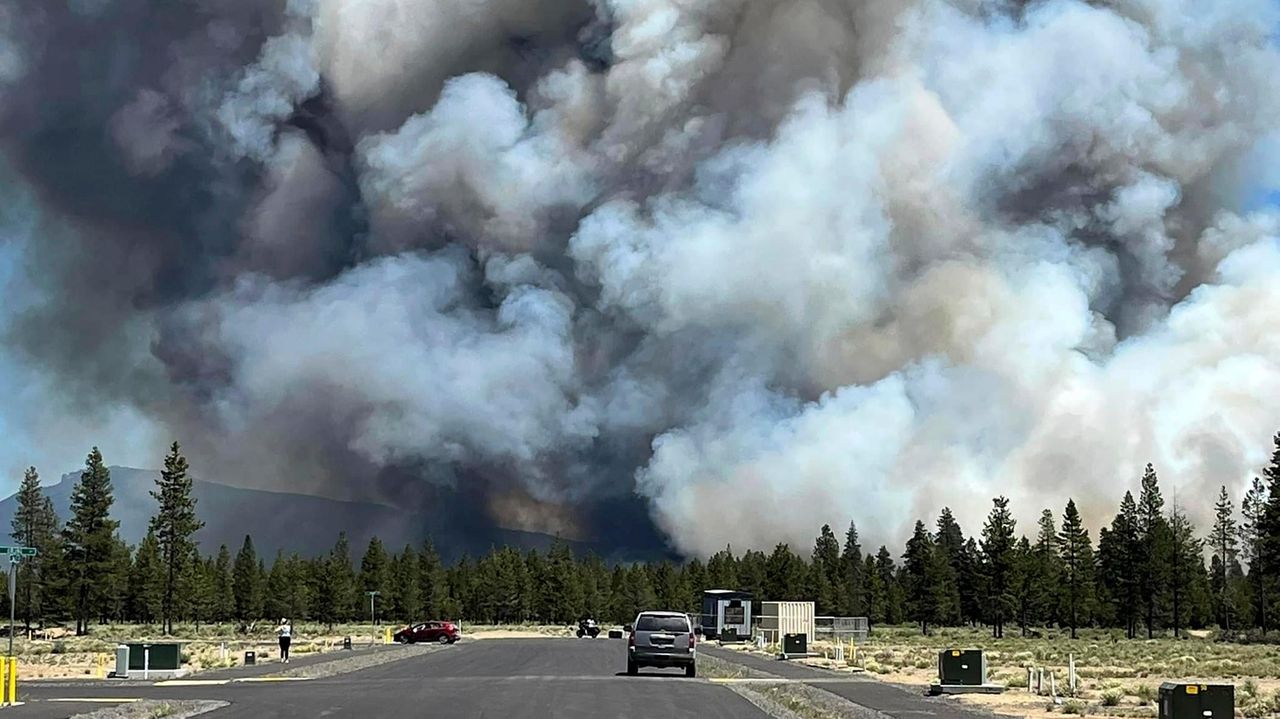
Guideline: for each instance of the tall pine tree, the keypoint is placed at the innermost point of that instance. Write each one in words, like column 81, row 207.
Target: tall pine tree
column 247, row 583
column 1075, row 551
column 175, row 525
column 1186, row 552
column 36, row 525
column 998, row 555
column 1223, row 541
column 1252, row 539
column 918, row 572
column 1153, row 543
column 91, row 547
column 852, row 587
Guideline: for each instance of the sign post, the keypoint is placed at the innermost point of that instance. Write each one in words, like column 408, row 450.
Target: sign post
column 15, row 555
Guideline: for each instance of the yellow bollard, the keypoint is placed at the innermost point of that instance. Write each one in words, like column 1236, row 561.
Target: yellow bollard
column 4, row 679
column 386, row 636
column 13, row 681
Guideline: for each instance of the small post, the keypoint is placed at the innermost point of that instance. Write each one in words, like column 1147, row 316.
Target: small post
column 1053, row 686
column 1031, row 680
column 146, row 660
column 1071, row 673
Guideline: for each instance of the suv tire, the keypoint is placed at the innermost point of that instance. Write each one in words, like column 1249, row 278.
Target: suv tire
column 632, row 668
column 691, row 671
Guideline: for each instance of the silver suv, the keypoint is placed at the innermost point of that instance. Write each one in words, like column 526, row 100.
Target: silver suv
column 662, row 639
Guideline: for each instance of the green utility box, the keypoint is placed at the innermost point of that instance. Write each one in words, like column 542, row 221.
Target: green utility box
column 155, row 656
column 1197, row 701
column 795, row 644
column 962, row 667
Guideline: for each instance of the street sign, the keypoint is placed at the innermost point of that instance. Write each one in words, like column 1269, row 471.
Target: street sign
column 19, row 551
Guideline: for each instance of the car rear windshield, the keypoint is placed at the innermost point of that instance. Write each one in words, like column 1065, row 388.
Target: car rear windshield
column 677, row 625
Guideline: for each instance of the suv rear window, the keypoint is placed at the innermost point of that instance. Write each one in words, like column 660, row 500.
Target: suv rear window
column 675, row 625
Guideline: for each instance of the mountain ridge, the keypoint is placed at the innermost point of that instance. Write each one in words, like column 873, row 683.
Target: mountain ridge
column 288, row 522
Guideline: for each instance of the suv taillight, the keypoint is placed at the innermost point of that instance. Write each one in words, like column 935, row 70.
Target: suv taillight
column 631, row 639
column 691, row 640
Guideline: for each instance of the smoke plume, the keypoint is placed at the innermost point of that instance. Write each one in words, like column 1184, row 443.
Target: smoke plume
column 762, row 265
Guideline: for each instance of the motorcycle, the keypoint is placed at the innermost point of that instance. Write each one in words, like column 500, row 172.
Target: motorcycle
column 588, row 627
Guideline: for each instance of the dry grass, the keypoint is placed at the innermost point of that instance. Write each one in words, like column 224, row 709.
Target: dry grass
column 64, row 655
column 1117, row 677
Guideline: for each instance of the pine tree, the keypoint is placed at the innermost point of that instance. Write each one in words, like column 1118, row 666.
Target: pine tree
column 247, row 583
column 893, row 597
column 1154, row 546
column 146, row 582
column 1269, row 524
column 722, row 570
column 695, row 574
column 224, row 602
column 36, row 525
column 114, row 583
column 300, row 597
column 784, row 575
column 997, row 549
column 852, row 586
column 175, row 525
column 407, row 578
column 876, row 592
column 90, row 541
column 972, row 587
column 1075, row 551
column 1223, row 543
column 949, row 541
column 1025, row 576
column 1119, row 556
column 1185, row 555
column 1252, row 537
column 918, row 569
column 375, row 573
column 276, row 601
column 335, row 584
column 1047, row 572
column 203, row 594
column 825, row 576
column 431, row 587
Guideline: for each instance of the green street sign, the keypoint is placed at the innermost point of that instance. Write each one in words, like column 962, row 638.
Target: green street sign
column 19, row 551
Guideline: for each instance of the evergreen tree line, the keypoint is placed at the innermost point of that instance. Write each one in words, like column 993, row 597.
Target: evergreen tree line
column 1147, row 572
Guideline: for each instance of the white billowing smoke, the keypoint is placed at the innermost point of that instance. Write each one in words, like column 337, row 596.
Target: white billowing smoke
column 826, row 260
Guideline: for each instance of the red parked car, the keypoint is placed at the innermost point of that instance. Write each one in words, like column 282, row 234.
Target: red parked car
column 439, row 632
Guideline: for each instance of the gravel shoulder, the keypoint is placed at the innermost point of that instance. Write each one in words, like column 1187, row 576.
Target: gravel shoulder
column 154, row 709
column 356, row 662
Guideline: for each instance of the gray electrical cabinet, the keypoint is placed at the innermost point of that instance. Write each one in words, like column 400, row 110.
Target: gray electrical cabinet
column 122, row 662
column 962, row 667
column 1197, row 701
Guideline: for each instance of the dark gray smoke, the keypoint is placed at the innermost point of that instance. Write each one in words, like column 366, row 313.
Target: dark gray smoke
column 763, row 264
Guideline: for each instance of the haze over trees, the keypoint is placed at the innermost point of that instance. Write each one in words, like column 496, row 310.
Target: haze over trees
column 1147, row 572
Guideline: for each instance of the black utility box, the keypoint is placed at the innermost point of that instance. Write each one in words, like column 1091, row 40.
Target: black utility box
column 1197, row 701
column 795, row 644
column 250, row 658
column 962, row 667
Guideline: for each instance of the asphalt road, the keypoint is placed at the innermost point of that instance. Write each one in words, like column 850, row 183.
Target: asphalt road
column 534, row 678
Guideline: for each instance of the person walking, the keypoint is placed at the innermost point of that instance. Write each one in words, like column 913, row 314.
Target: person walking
column 285, row 632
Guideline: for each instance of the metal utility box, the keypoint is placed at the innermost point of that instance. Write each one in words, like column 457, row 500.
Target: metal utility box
column 250, row 658
column 795, row 645
column 962, row 667
column 780, row 618
column 1197, row 701
column 122, row 662
column 726, row 614
column 155, row 656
